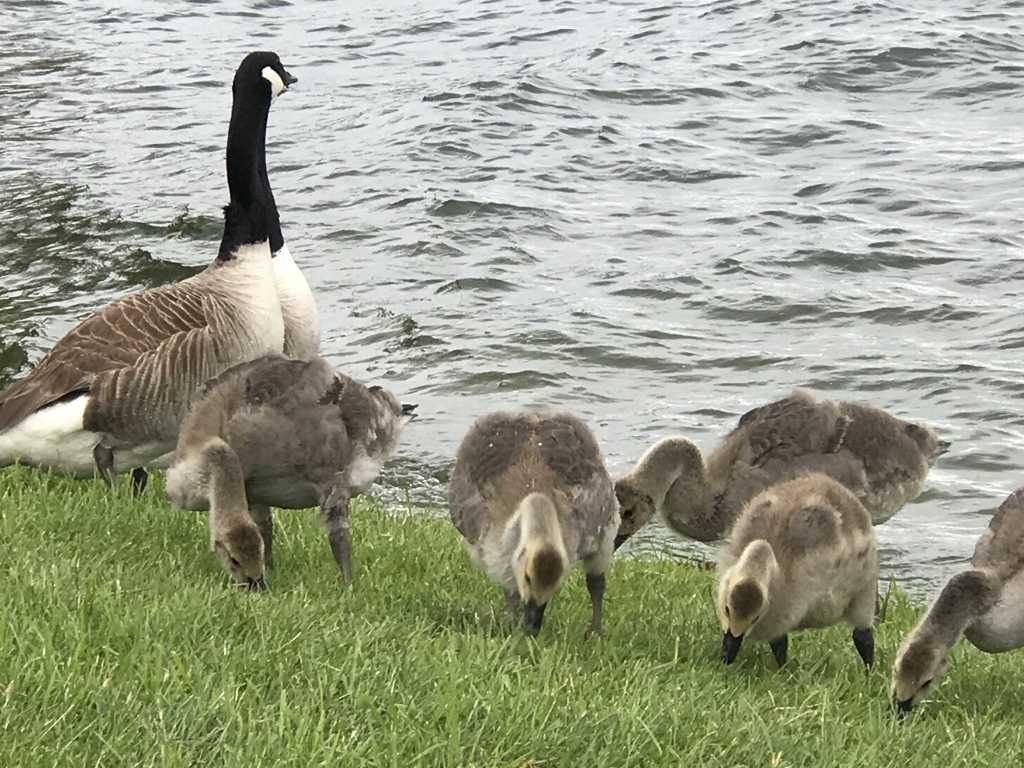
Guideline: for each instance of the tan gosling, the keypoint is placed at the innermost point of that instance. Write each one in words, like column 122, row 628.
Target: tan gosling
column 801, row 555
column 530, row 494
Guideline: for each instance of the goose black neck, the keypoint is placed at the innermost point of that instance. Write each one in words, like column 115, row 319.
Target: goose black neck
column 276, row 235
column 251, row 213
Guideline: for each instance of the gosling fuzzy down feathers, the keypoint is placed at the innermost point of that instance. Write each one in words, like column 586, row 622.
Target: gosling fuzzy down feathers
column 882, row 459
column 304, row 435
column 530, row 494
column 801, row 555
column 984, row 604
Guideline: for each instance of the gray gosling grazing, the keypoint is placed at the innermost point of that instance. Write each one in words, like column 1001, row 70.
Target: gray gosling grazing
column 801, row 555
column 530, row 494
column 984, row 604
column 882, row 459
column 304, row 435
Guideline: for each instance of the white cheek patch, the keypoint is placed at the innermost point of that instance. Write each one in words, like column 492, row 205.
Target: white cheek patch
column 277, row 86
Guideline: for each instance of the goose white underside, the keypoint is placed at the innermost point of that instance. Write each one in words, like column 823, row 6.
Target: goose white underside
column 54, row 438
column 298, row 308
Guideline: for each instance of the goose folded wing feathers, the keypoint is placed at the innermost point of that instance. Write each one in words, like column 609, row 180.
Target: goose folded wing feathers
column 127, row 333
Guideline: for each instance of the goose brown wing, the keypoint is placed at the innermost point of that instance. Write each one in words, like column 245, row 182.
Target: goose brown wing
column 112, row 339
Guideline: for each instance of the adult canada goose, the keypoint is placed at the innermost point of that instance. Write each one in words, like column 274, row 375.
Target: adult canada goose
column 984, row 604
column 530, row 494
column 802, row 554
column 304, row 435
column 882, row 459
column 111, row 394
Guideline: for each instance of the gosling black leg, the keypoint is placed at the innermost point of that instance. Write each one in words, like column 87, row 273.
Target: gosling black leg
column 864, row 640
column 780, row 649
column 139, row 480
column 104, row 458
column 595, row 586
column 335, row 512
column 260, row 514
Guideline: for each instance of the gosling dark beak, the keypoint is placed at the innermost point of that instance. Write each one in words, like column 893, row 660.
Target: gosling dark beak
column 259, row 584
column 730, row 646
column 289, row 78
column 904, row 706
column 620, row 540
column 533, row 615
column 407, row 410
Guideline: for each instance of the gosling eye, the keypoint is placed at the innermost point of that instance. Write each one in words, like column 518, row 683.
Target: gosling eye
column 234, row 562
column 627, row 513
column 926, row 683
column 727, row 611
column 526, row 579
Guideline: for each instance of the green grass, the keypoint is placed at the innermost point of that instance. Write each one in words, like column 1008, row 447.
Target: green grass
column 121, row 643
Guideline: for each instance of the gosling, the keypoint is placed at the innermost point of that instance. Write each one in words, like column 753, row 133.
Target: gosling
column 985, row 604
column 304, row 435
column 530, row 494
column 882, row 459
column 801, row 555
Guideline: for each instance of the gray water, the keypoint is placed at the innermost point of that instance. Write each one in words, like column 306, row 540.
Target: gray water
column 656, row 215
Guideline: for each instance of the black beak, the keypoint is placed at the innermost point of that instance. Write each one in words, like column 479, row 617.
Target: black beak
column 407, row 410
column 619, row 541
column 259, row 584
column 533, row 615
column 730, row 646
column 904, row 706
column 288, row 77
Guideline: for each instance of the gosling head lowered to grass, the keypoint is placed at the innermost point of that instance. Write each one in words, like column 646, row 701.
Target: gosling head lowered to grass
column 802, row 554
column 530, row 495
column 234, row 538
column 239, row 548
column 984, row 604
column 641, row 491
column 743, row 595
column 540, row 561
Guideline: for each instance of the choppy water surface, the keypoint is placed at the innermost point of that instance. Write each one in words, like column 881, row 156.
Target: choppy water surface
column 658, row 216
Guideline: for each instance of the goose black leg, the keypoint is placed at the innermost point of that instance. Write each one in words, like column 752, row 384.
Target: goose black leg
column 139, row 480
column 864, row 640
column 595, row 586
column 335, row 511
column 780, row 649
column 104, row 458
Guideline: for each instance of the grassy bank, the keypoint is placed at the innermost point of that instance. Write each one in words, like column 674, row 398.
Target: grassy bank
column 121, row 643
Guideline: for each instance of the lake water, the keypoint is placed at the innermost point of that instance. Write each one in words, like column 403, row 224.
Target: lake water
column 656, row 215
